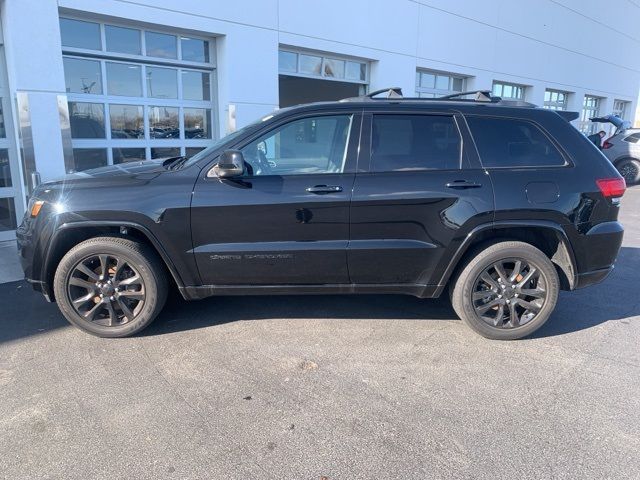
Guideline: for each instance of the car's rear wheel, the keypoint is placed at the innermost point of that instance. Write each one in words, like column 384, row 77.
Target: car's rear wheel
column 629, row 168
column 506, row 291
column 110, row 286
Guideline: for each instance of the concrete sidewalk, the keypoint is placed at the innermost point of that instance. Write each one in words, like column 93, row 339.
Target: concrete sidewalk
column 10, row 270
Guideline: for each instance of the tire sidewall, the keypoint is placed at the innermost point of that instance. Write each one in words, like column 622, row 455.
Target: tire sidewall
column 142, row 265
column 479, row 264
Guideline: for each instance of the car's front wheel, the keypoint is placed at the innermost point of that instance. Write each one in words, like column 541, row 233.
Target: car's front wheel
column 110, row 286
column 506, row 291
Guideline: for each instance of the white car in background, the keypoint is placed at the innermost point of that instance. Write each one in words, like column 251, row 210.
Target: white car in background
column 623, row 147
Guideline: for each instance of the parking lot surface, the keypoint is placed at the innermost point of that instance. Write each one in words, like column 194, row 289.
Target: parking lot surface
column 311, row 387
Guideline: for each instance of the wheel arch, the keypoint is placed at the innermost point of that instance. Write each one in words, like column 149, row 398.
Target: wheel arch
column 70, row 234
column 549, row 237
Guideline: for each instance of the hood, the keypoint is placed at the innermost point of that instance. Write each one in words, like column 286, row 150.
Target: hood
column 112, row 175
column 616, row 121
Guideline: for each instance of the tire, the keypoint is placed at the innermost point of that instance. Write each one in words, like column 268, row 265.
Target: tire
column 471, row 293
column 127, row 300
column 629, row 168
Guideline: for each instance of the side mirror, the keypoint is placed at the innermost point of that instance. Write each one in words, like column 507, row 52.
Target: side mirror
column 231, row 164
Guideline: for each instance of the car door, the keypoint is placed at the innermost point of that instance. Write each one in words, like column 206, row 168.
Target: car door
column 286, row 221
column 421, row 193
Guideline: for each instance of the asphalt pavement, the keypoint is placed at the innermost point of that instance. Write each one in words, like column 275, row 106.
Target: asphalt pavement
column 335, row 387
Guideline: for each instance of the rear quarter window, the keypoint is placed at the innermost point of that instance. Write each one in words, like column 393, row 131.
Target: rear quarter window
column 508, row 142
column 635, row 138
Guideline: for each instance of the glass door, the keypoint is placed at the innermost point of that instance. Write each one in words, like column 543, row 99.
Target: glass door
column 9, row 179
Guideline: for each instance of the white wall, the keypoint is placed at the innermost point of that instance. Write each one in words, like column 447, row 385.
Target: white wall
column 582, row 46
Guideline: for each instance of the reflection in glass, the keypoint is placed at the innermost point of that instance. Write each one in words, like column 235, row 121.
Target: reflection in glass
column 86, row 158
column 194, row 50
column 191, row 151
column 196, row 123
column 87, row 120
column 310, row 64
column 196, row 85
column 356, row 71
column 165, row 152
column 7, row 214
column 3, row 131
column 164, row 122
column 75, row 33
column 124, row 79
column 333, row 68
column 126, row 121
column 428, row 80
column 82, row 76
column 5, row 169
column 442, row 82
column 161, row 45
column 162, row 82
column 287, row 61
column 124, row 155
column 122, row 40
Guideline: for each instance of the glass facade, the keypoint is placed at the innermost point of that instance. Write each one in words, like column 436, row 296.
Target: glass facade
column 124, row 109
column 322, row 66
column 510, row 91
column 590, row 109
column 431, row 84
column 555, row 99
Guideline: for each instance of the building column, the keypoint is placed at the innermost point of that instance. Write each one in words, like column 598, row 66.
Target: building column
column 32, row 40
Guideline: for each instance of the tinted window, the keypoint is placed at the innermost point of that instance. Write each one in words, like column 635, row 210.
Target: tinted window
column 414, row 142
column 505, row 142
column 305, row 146
column 635, row 138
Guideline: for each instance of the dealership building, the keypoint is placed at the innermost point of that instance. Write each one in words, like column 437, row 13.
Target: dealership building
column 100, row 82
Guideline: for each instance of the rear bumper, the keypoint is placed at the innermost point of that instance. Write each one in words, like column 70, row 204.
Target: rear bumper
column 598, row 252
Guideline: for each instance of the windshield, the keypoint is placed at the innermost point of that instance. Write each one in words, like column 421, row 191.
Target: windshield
column 226, row 139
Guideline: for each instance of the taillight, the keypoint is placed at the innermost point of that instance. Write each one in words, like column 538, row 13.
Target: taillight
column 612, row 187
column 607, row 144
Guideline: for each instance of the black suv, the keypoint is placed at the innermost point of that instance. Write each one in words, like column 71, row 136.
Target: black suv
column 499, row 204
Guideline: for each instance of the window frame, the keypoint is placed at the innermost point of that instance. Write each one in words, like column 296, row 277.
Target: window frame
column 324, row 56
column 436, row 92
column 144, row 62
column 550, row 104
column 563, row 153
column 353, row 143
column 503, row 84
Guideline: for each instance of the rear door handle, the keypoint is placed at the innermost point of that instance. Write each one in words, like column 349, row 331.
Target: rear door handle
column 462, row 184
column 322, row 189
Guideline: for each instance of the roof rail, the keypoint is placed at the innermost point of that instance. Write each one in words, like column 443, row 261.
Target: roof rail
column 393, row 92
column 481, row 96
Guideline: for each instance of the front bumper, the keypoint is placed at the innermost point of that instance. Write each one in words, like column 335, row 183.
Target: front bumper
column 591, row 278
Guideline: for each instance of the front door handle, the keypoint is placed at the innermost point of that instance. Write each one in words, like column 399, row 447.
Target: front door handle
column 322, row 189
column 462, row 184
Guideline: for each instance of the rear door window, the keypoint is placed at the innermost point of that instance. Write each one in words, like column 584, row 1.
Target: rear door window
column 414, row 142
column 508, row 142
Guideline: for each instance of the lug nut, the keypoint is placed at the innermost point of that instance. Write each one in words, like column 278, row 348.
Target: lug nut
column 112, row 298
column 117, row 289
column 102, row 295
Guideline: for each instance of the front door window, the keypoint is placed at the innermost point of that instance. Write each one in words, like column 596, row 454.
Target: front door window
column 312, row 145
